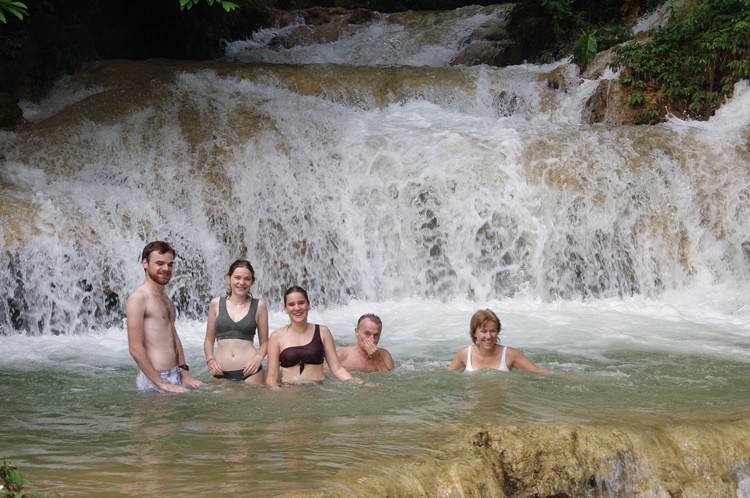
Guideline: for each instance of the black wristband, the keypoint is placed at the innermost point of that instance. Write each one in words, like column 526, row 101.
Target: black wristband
column 184, row 367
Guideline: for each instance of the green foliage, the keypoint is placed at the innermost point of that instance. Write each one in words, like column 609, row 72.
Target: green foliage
column 531, row 20
column 34, row 53
column 12, row 483
column 564, row 18
column 227, row 6
column 695, row 59
column 584, row 50
column 612, row 33
column 649, row 115
column 18, row 9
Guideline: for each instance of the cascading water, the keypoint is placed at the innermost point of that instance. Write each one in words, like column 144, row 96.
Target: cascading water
column 440, row 196
column 391, row 183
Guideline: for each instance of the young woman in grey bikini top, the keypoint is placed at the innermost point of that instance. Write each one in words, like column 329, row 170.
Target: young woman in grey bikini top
column 232, row 324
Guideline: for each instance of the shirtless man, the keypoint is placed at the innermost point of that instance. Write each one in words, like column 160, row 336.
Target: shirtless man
column 365, row 356
column 152, row 337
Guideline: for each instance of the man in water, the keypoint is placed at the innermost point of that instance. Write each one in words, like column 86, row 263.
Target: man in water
column 365, row 355
column 152, row 337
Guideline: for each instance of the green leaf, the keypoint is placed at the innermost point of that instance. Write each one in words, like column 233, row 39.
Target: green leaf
column 15, row 478
column 585, row 49
column 16, row 13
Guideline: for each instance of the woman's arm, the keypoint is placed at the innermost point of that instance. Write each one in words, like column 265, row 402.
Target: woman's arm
column 261, row 319
column 208, row 344
column 261, row 323
column 332, row 358
column 272, row 376
column 459, row 361
column 516, row 359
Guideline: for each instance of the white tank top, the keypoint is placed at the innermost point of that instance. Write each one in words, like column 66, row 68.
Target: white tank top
column 503, row 367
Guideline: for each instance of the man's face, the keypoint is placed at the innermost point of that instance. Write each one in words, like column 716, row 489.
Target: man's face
column 159, row 267
column 367, row 329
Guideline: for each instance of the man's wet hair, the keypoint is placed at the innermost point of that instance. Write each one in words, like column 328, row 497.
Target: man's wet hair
column 371, row 316
column 157, row 246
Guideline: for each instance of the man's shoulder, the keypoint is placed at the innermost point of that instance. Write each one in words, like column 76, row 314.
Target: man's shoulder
column 144, row 292
column 138, row 296
column 145, row 296
column 345, row 351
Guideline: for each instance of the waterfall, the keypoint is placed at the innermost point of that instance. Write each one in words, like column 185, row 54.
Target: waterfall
column 359, row 182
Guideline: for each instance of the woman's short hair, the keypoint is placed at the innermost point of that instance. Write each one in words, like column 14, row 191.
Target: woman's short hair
column 480, row 318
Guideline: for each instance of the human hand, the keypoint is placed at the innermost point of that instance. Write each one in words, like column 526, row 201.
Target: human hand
column 253, row 366
column 171, row 388
column 214, row 368
column 370, row 347
column 187, row 380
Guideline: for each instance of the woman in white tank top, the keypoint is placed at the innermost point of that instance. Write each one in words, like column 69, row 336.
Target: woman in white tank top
column 486, row 353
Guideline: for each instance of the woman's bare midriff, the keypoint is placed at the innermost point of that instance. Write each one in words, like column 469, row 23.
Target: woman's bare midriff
column 233, row 354
column 312, row 373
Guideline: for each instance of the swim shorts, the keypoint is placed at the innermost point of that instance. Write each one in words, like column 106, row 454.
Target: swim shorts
column 170, row 376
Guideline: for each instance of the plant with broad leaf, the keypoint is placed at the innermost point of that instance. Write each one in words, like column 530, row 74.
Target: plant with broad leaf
column 18, row 9
column 227, row 6
column 584, row 50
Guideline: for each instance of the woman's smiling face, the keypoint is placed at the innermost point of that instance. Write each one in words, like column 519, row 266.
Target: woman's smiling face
column 296, row 306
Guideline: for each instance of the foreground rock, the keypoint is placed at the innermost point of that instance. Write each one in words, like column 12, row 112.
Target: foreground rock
column 562, row 460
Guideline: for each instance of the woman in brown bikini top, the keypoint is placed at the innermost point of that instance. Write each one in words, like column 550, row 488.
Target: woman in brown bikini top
column 299, row 348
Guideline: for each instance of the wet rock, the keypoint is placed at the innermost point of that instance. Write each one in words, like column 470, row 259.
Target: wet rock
column 610, row 104
column 491, row 53
column 494, row 31
column 320, row 25
column 705, row 458
column 598, row 65
column 10, row 113
column 491, row 43
column 307, row 35
column 562, row 77
column 746, row 250
column 744, row 149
